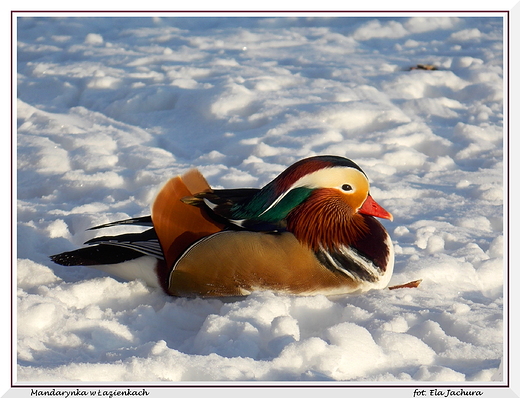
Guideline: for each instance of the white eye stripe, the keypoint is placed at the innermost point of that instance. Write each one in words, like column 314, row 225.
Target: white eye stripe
column 331, row 178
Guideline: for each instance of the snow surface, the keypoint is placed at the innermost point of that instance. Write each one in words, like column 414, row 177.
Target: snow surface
column 110, row 108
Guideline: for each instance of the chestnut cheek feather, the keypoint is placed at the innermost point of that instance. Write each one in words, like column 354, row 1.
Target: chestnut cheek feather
column 326, row 221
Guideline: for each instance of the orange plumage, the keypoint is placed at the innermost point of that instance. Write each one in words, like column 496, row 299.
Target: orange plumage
column 310, row 231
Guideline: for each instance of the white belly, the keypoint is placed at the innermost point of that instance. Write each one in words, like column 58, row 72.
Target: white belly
column 143, row 268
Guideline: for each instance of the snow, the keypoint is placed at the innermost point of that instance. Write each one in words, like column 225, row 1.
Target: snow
column 109, row 108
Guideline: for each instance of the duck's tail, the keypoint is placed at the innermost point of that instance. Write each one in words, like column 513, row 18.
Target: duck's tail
column 175, row 226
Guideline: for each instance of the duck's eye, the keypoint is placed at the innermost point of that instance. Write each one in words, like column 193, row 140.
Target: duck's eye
column 346, row 187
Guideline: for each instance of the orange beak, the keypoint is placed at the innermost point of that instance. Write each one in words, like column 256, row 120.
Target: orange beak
column 372, row 208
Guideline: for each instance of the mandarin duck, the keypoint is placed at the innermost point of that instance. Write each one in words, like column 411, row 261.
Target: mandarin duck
column 309, row 231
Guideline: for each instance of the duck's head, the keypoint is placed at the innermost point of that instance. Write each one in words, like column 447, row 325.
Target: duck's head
column 321, row 200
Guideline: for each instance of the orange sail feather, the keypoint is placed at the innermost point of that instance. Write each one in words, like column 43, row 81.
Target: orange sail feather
column 176, row 223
